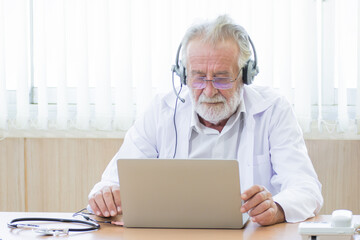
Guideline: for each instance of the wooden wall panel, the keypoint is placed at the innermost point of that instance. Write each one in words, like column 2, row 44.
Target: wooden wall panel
column 61, row 172
column 46, row 174
column 12, row 175
column 337, row 163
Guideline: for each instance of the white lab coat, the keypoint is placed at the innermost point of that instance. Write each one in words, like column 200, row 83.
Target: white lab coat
column 271, row 153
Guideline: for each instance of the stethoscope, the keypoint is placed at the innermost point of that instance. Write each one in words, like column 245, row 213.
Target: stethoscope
column 52, row 231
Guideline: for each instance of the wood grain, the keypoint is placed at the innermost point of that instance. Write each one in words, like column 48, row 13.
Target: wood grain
column 61, row 172
column 12, row 175
column 337, row 163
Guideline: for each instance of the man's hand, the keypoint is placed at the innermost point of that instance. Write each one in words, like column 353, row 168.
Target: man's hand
column 106, row 202
column 261, row 206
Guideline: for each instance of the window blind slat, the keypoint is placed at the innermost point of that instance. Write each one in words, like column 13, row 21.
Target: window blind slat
column 18, row 16
column 319, row 40
column 303, row 59
column 41, row 67
column 77, row 72
column 282, row 47
column 141, row 67
column 3, row 94
column 341, row 58
column 358, row 71
column 59, row 74
column 99, row 66
column 121, row 62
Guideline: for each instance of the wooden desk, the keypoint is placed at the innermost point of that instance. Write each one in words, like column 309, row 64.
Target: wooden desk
column 252, row 231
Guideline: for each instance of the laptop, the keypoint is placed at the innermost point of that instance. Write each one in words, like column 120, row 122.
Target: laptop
column 180, row 193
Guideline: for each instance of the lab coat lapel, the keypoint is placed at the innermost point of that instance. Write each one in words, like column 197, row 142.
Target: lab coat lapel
column 245, row 154
column 255, row 103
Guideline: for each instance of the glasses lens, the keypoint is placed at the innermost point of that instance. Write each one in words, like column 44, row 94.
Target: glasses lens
column 218, row 82
column 222, row 83
column 198, row 82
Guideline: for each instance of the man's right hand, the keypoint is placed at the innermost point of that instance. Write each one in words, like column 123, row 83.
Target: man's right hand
column 106, row 202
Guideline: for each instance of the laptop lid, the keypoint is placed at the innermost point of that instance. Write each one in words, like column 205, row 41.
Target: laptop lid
column 180, row 193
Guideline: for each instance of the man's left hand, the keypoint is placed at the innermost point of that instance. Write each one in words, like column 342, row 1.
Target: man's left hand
column 261, row 206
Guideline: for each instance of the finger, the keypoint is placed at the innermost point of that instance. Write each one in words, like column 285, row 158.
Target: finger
column 265, row 218
column 118, row 223
column 116, row 194
column 99, row 200
column 257, row 199
column 94, row 207
column 249, row 193
column 109, row 201
column 262, row 207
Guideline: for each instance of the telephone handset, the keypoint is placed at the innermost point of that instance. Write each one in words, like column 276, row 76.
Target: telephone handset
column 341, row 218
column 340, row 227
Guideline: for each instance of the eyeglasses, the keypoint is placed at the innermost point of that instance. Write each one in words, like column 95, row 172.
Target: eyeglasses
column 217, row 82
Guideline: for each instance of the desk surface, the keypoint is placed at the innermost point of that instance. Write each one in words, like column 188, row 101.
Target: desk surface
column 252, row 231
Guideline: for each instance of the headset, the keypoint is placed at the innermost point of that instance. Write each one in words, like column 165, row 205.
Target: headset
column 250, row 70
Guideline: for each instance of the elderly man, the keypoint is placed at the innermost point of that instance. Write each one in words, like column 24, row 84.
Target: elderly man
column 224, row 118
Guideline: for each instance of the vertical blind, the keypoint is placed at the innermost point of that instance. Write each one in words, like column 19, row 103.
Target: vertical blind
column 95, row 65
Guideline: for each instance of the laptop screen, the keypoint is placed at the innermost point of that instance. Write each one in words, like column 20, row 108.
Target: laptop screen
column 180, row 193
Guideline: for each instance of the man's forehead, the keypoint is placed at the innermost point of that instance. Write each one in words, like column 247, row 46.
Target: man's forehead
column 199, row 50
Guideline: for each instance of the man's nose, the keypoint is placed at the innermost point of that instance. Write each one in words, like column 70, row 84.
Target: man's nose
column 209, row 89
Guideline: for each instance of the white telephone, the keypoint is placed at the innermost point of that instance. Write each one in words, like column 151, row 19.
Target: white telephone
column 340, row 227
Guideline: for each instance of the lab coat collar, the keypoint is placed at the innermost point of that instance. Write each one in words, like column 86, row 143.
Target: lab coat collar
column 258, row 98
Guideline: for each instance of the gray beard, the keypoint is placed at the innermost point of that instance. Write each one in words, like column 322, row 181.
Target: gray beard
column 215, row 113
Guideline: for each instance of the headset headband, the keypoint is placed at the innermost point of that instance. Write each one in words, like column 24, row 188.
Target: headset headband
column 250, row 69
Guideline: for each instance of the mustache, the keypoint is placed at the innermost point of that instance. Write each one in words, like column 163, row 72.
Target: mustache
column 218, row 98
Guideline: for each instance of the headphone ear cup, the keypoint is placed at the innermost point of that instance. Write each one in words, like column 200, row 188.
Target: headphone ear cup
column 179, row 68
column 245, row 73
column 249, row 72
column 182, row 73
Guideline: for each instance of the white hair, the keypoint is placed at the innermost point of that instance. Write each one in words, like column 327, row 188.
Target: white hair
column 213, row 32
